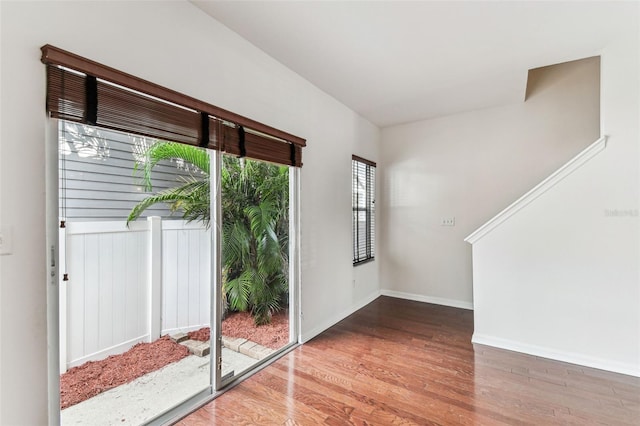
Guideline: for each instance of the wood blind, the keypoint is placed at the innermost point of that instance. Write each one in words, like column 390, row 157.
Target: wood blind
column 87, row 92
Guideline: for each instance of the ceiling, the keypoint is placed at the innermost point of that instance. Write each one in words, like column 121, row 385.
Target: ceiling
column 395, row 62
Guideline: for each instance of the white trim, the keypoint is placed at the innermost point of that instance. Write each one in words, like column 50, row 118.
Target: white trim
column 113, row 350
column 305, row 337
column 62, row 299
column 428, row 299
column 102, row 227
column 564, row 171
column 554, row 354
column 52, row 266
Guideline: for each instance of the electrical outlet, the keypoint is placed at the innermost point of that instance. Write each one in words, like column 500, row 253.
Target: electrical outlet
column 448, row 221
column 6, row 240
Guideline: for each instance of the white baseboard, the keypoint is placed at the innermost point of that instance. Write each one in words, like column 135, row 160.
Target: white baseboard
column 570, row 357
column 310, row 334
column 428, row 299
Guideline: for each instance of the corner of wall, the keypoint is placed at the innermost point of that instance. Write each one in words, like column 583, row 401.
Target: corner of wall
column 461, row 304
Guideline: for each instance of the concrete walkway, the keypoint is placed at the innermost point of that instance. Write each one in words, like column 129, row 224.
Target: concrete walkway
column 147, row 396
column 246, row 347
column 237, row 344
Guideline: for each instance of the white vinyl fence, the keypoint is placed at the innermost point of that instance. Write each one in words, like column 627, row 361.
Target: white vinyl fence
column 127, row 286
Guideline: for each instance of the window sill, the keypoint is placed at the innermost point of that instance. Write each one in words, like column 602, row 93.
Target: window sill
column 361, row 262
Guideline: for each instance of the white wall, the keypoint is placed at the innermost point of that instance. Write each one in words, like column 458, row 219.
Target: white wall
column 1, row 205
column 173, row 44
column 561, row 278
column 471, row 166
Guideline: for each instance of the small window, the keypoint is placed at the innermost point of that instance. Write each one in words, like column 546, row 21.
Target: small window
column 363, row 189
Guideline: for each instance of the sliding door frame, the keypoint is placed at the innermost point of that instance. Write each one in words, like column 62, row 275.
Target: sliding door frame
column 216, row 386
column 294, row 286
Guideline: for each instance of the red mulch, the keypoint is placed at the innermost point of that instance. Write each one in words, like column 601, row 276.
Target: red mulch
column 93, row 377
column 240, row 324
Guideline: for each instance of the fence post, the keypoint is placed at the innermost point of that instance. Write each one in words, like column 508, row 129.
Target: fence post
column 155, row 277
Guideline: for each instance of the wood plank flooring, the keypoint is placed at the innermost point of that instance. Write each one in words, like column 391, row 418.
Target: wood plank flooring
column 398, row 362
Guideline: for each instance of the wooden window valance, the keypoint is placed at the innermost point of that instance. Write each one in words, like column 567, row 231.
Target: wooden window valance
column 85, row 91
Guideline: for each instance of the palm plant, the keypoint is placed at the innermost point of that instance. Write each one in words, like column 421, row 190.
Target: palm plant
column 255, row 206
column 191, row 197
column 255, row 225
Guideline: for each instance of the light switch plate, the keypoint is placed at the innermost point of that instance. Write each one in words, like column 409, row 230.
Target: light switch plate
column 6, row 240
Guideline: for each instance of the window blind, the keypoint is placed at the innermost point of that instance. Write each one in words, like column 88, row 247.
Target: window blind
column 84, row 91
column 363, row 205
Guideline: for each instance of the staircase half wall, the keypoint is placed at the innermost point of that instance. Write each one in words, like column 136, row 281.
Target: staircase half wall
column 557, row 274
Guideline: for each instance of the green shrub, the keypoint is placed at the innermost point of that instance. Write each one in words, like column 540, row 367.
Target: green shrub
column 255, row 222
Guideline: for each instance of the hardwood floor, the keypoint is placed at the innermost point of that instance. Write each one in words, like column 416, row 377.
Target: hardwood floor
column 397, row 362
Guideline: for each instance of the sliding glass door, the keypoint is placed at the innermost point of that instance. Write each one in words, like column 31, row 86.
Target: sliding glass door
column 135, row 289
column 177, row 273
